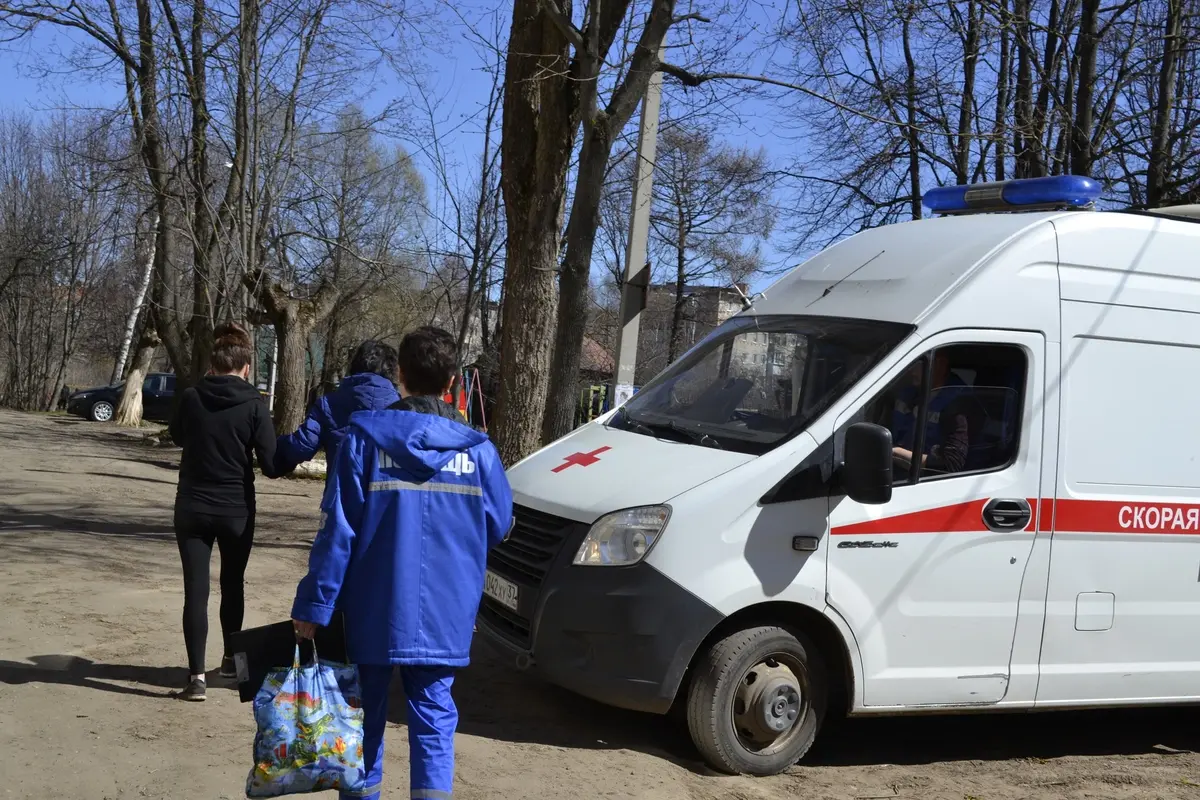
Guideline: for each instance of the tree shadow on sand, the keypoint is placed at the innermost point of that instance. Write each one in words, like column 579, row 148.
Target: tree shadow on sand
column 67, row 670
column 496, row 701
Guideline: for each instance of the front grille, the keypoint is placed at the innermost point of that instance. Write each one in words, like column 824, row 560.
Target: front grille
column 525, row 558
column 506, row 621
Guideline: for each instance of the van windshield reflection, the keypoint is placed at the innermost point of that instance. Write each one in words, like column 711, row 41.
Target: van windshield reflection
column 757, row 381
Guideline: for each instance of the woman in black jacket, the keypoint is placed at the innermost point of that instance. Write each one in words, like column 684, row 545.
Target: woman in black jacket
column 218, row 422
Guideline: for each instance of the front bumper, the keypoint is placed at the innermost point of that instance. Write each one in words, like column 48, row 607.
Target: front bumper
column 623, row 636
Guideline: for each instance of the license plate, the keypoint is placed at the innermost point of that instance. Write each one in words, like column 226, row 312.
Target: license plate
column 502, row 591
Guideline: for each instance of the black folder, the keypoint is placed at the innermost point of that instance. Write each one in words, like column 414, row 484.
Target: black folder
column 259, row 651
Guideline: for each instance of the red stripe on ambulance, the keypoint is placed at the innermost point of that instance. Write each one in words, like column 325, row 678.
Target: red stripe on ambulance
column 1123, row 516
column 1064, row 516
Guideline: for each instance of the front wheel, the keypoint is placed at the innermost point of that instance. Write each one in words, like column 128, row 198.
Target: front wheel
column 756, row 701
column 102, row 411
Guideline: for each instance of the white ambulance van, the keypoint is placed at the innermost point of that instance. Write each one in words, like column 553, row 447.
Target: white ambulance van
column 751, row 539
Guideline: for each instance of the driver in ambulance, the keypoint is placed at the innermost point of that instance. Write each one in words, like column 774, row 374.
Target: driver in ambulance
column 947, row 429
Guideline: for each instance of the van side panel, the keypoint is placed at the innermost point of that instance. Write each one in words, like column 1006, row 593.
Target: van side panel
column 1123, row 606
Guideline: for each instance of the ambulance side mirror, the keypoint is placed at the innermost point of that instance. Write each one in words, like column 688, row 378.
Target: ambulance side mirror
column 866, row 474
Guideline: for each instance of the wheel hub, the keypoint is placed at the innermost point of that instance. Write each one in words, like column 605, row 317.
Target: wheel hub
column 769, row 702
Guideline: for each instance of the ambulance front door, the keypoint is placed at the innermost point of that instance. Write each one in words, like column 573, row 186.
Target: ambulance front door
column 930, row 582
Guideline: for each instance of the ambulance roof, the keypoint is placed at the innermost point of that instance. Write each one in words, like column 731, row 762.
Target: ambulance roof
column 897, row 272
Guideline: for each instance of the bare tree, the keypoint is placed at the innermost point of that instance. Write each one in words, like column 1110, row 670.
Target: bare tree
column 63, row 203
column 340, row 229
column 711, row 209
column 464, row 235
column 215, row 95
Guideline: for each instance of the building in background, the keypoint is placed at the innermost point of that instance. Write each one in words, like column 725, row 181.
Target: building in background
column 703, row 309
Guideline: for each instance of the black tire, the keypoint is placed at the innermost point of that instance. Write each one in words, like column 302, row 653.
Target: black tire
column 102, row 411
column 718, row 678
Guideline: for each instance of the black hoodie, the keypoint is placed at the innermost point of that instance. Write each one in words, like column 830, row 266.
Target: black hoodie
column 217, row 423
column 431, row 405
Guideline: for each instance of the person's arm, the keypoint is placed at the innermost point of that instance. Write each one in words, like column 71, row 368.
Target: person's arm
column 264, row 441
column 177, row 427
column 497, row 497
column 950, row 455
column 341, row 516
column 294, row 449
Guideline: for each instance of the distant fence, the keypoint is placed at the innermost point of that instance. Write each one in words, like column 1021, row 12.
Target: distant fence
column 593, row 401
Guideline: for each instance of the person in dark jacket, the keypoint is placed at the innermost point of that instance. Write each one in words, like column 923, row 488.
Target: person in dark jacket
column 414, row 503
column 370, row 386
column 218, row 423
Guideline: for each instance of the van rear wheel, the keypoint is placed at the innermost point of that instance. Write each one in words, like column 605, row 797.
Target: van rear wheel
column 756, row 701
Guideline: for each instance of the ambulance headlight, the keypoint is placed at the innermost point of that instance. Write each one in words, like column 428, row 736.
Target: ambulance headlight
column 622, row 538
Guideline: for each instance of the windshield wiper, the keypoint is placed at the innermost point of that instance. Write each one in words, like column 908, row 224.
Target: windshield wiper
column 655, row 428
column 699, row 437
column 635, row 423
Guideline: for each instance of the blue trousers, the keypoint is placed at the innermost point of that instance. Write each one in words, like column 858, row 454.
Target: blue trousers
column 432, row 720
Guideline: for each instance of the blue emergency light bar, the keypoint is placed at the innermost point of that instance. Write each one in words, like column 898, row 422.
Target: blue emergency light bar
column 1028, row 194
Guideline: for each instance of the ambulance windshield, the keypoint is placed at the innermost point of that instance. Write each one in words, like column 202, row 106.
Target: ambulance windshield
column 756, row 381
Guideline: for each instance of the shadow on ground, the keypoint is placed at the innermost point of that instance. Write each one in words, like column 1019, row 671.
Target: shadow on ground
column 497, row 702
column 91, row 520
column 75, row 671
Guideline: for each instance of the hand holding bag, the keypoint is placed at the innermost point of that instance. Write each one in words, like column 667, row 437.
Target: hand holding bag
column 310, row 730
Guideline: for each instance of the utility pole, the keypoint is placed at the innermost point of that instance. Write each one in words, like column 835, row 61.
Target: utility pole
column 637, row 268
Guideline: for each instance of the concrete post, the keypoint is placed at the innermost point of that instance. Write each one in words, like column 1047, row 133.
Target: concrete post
column 637, row 269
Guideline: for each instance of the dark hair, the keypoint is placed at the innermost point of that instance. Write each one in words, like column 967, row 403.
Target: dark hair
column 373, row 356
column 232, row 348
column 428, row 360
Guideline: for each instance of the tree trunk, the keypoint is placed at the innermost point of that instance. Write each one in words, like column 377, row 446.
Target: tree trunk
column 294, row 319
column 911, row 101
column 1047, row 80
column 331, row 366
column 541, row 113
column 673, row 345
column 1158, row 164
column 601, row 129
column 147, row 268
column 966, row 107
column 129, row 410
column 573, row 282
column 293, row 328
column 1025, row 143
column 1088, row 42
column 485, row 331
column 1003, row 87
column 525, row 346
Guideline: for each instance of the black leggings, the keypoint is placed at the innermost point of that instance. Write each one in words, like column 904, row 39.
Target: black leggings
column 195, row 534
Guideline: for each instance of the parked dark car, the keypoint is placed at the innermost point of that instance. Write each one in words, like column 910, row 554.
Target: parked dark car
column 100, row 404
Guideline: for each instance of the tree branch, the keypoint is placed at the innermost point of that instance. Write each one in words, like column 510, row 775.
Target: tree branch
column 693, row 80
column 564, row 25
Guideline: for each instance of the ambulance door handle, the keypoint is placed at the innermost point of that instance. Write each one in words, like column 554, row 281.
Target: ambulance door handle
column 1007, row 515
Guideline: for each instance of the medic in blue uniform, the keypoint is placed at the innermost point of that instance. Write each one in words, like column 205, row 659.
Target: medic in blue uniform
column 415, row 501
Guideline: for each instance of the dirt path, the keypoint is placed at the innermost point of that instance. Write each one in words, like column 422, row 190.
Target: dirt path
column 89, row 646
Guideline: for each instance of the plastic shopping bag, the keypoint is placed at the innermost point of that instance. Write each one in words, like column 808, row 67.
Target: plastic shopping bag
column 310, row 731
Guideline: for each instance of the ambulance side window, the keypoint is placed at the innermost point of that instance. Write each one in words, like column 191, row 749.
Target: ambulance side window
column 959, row 406
column 896, row 408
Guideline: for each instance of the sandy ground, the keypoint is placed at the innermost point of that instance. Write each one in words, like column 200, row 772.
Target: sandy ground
column 89, row 645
